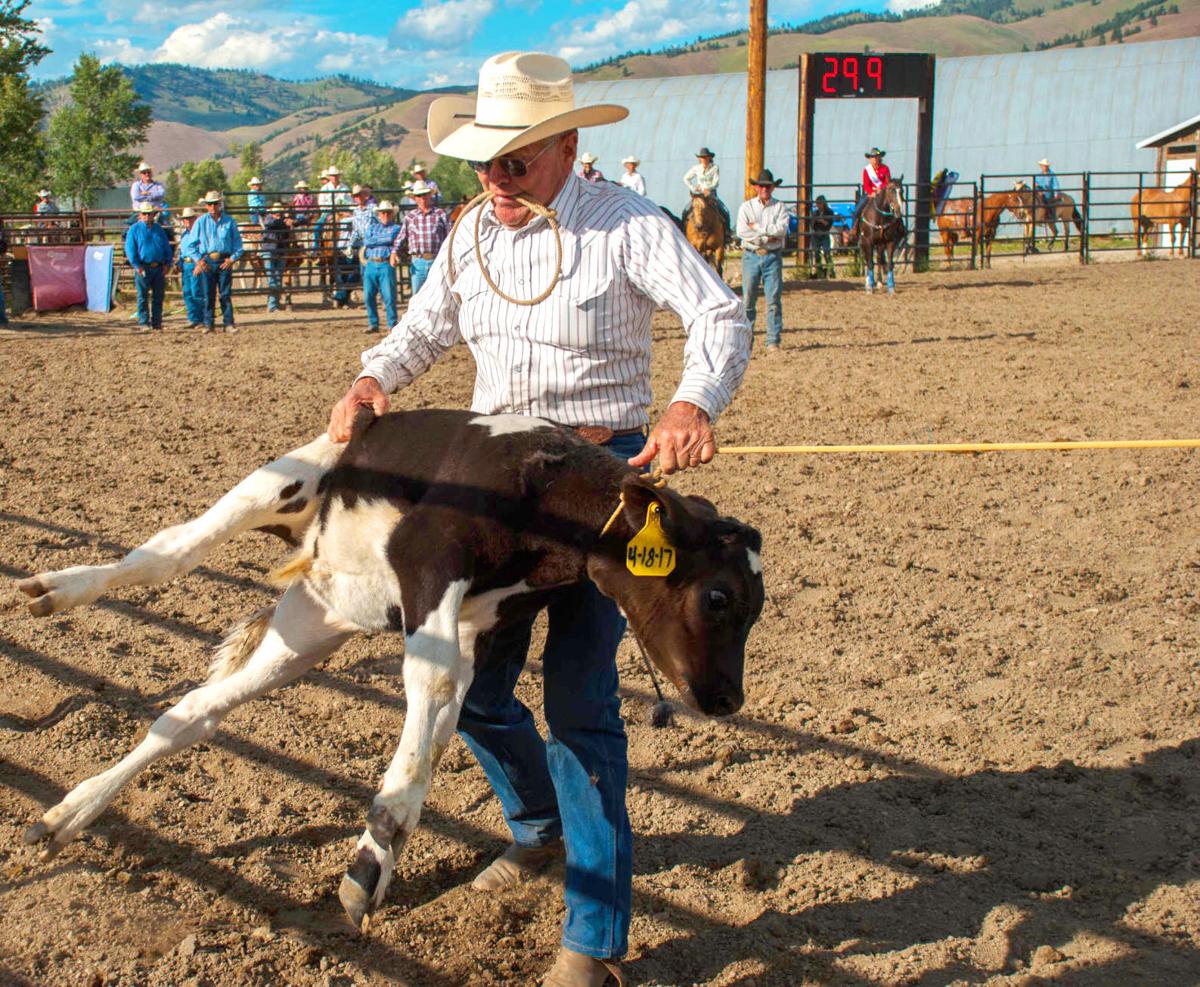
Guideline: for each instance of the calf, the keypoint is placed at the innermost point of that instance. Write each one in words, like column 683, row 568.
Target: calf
column 443, row 526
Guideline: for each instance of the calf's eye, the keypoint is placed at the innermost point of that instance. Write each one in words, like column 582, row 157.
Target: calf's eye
column 716, row 600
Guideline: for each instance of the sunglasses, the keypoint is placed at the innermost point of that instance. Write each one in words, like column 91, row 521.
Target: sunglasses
column 512, row 167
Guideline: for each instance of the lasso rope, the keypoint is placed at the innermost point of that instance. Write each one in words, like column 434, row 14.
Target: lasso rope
column 657, row 479
column 535, row 207
column 965, row 447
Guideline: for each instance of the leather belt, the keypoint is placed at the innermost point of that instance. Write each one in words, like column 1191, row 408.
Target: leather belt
column 153, row 263
column 763, row 251
column 377, row 260
column 217, row 255
column 424, row 256
column 598, row 435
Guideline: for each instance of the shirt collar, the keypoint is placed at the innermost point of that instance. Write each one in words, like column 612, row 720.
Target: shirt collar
column 565, row 205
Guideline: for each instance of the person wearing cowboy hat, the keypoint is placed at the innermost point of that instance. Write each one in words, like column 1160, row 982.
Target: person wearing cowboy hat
column 192, row 303
column 352, row 228
column 379, row 262
column 567, row 340
column 149, row 252
column 762, row 226
column 256, row 202
column 421, row 174
column 216, row 246
column 333, row 198
column 46, row 206
column 875, row 177
column 588, row 170
column 1048, row 190
column 274, row 246
column 702, row 178
column 303, row 203
column 146, row 189
column 422, row 233
column 632, row 179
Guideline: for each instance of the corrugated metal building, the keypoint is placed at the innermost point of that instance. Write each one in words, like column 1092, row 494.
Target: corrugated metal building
column 1083, row 108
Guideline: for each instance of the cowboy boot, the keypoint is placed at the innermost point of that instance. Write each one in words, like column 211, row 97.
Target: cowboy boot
column 572, row 969
column 516, row 864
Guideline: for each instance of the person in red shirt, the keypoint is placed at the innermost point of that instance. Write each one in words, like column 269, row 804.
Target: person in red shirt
column 875, row 176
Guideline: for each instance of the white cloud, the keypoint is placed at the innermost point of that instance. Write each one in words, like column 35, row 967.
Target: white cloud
column 900, row 6
column 121, row 50
column 645, row 24
column 447, row 24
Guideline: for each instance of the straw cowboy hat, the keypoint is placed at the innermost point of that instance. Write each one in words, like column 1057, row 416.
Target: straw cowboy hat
column 213, row 196
column 419, row 168
column 588, row 158
column 387, row 205
column 188, row 213
column 144, row 166
column 875, row 153
column 255, row 181
column 278, row 207
column 1044, row 162
column 419, row 188
column 146, row 207
column 523, row 97
column 44, row 193
column 331, row 171
column 765, row 178
column 302, row 184
column 631, row 160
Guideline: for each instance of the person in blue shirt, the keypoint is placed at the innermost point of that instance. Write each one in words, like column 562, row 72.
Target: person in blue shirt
column 149, row 253
column 274, row 247
column 378, row 242
column 215, row 247
column 256, row 202
column 191, row 292
column 1047, row 183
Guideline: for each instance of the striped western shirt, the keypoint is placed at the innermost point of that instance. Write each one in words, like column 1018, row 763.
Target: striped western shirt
column 581, row 356
column 424, row 232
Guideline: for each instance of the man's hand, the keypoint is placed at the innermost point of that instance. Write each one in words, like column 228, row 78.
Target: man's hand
column 141, row 272
column 366, row 391
column 227, row 263
column 200, row 266
column 682, row 438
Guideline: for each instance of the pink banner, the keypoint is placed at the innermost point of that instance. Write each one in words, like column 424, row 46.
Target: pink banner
column 56, row 276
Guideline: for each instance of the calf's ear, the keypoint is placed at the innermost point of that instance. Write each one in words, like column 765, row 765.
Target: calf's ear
column 680, row 522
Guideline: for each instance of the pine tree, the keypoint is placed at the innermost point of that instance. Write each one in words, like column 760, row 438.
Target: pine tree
column 22, row 146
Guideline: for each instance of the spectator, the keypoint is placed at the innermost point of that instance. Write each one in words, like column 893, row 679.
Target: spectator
column 589, row 173
column 421, row 175
column 632, row 179
column 192, row 303
column 822, row 219
column 422, row 233
column 380, row 259
column 353, row 228
column 46, row 206
column 256, row 202
column 216, row 247
column 146, row 189
column 303, row 204
column 149, row 253
column 276, row 241
column 762, row 225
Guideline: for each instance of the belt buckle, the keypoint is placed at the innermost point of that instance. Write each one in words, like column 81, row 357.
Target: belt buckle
column 595, row 434
column 215, row 255
column 762, row 251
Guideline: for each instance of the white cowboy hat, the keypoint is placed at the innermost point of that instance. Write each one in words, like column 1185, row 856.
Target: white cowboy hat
column 1045, row 162
column 213, row 196
column 418, row 166
column 146, row 207
column 301, row 184
column 44, row 193
column 188, row 213
column 144, row 166
column 523, row 97
column 588, row 158
column 630, row 160
column 332, row 170
column 255, row 181
column 420, row 188
column 387, row 205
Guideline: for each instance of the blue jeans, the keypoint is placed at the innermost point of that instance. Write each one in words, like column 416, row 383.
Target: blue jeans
column 573, row 783
column 379, row 278
column 192, row 303
column 273, row 264
column 150, row 287
column 214, row 283
column 418, row 271
column 767, row 268
column 345, row 275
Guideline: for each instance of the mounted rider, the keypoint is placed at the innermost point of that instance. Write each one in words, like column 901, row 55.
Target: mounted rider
column 1046, row 185
column 875, row 176
column 702, row 178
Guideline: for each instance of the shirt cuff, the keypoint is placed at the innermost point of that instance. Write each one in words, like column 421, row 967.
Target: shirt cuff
column 706, row 392
column 377, row 368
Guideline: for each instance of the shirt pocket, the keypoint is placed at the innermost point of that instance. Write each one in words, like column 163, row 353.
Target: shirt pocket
column 582, row 318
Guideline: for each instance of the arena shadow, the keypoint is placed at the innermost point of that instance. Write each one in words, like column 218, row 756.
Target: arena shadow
column 985, row 868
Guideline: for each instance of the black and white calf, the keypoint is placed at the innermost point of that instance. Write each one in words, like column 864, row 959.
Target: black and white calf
column 442, row 525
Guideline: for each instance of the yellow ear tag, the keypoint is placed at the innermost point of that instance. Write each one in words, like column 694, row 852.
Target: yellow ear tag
column 648, row 552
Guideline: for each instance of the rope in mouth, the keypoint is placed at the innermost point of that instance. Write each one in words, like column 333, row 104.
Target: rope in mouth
column 536, row 208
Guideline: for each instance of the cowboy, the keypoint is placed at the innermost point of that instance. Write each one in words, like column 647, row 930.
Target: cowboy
column 823, row 219
column 149, row 253
column 302, row 203
column 421, row 174
column 380, row 260
column 1047, row 184
column 192, row 303
column 46, row 206
column 256, row 202
column 589, row 173
column 762, row 226
column 875, row 176
column 353, row 228
column 334, row 198
column 632, row 179
column 422, row 233
column 581, row 357
column 276, row 241
column 146, row 189
column 702, row 178
column 216, row 246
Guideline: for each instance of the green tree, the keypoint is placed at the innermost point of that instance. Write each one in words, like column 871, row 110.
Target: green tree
column 250, row 162
column 376, row 168
column 92, row 137
column 198, row 177
column 22, row 146
column 455, row 178
column 173, row 189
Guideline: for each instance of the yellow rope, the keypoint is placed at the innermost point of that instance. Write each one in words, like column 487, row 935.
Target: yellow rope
column 656, row 477
column 550, row 215
column 966, row 447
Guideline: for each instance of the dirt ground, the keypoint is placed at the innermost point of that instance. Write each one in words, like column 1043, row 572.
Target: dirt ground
column 970, row 746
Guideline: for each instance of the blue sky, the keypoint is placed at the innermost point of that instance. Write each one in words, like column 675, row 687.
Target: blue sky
column 419, row 44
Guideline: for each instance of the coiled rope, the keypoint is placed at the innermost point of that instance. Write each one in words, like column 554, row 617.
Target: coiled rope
column 538, row 209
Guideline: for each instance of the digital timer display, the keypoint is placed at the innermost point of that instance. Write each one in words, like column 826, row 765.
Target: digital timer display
column 848, row 75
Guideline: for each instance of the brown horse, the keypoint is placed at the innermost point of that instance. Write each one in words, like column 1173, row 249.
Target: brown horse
column 706, row 230
column 989, row 223
column 1166, row 207
column 957, row 221
column 881, row 228
column 1062, row 210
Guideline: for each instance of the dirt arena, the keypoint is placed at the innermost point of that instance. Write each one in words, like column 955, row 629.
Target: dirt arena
column 969, row 751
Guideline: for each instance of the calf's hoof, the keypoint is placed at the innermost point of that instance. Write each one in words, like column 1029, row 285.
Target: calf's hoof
column 356, row 901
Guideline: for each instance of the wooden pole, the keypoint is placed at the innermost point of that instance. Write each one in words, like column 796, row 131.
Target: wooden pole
column 924, row 169
column 804, row 161
column 756, row 92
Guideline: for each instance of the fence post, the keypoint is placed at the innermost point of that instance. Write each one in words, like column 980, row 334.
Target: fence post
column 1085, row 233
column 976, row 215
column 985, row 257
column 1141, row 175
column 1193, row 224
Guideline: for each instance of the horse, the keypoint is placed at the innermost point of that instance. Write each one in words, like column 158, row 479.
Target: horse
column 881, row 228
column 706, row 230
column 958, row 220
column 989, row 220
column 1062, row 210
column 1167, row 207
